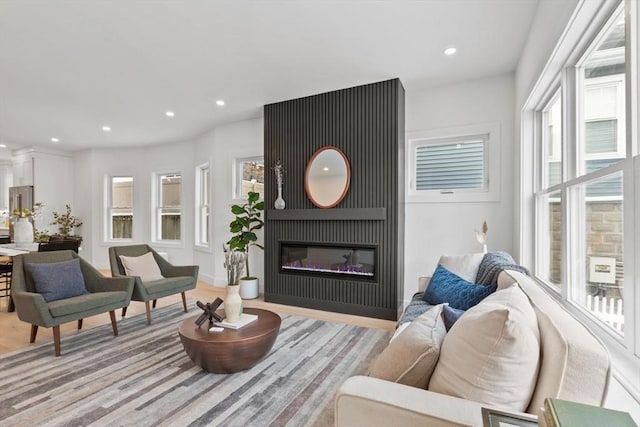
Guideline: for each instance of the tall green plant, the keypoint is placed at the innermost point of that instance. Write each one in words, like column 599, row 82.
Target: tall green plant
column 248, row 221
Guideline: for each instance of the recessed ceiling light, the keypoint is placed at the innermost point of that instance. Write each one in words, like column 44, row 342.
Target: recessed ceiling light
column 3, row 145
column 219, row 102
column 169, row 113
column 450, row 51
column 55, row 139
column 106, row 128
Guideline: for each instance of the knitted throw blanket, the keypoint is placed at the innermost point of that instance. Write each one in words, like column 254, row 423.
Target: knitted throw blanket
column 492, row 264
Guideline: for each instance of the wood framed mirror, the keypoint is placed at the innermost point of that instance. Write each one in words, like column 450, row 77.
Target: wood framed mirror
column 327, row 177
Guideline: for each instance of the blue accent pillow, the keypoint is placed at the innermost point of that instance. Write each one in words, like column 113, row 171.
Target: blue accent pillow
column 450, row 315
column 58, row 280
column 448, row 287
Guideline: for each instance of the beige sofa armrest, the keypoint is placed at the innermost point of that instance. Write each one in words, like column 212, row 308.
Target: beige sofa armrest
column 423, row 282
column 365, row 401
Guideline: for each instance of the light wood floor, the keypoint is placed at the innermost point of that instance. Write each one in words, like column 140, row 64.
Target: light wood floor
column 14, row 334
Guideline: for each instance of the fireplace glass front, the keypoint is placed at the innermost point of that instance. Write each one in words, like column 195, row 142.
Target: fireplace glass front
column 341, row 260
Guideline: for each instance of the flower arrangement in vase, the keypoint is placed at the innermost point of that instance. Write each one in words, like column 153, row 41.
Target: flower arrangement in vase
column 481, row 237
column 279, row 171
column 234, row 262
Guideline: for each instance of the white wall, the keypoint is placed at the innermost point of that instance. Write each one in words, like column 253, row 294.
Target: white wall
column 92, row 169
column 221, row 147
column 436, row 228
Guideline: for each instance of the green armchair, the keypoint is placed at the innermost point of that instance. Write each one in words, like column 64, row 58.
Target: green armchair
column 105, row 294
column 177, row 279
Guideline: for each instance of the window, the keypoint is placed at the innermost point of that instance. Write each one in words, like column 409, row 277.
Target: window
column 580, row 228
column 120, row 207
column 451, row 165
column 552, row 141
column 454, row 164
column 202, row 205
column 249, row 176
column 169, row 206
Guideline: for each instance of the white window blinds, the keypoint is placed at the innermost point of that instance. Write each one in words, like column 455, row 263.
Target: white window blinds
column 457, row 164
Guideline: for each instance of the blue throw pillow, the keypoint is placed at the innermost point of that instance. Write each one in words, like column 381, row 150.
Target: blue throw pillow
column 448, row 287
column 450, row 315
column 58, row 280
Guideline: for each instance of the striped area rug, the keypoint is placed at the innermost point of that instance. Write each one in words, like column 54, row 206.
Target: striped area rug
column 143, row 377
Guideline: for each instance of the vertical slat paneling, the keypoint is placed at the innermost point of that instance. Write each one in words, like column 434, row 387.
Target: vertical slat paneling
column 365, row 123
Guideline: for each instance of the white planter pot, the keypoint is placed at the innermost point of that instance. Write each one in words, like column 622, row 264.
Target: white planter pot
column 23, row 233
column 248, row 288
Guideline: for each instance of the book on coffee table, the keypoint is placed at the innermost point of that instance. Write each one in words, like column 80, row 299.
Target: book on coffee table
column 244, row 320
column 563, row 413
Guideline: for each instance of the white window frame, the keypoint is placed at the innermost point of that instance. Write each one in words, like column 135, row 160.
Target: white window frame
column 156, row 209
column 108, row 221
column 491, row 132
column 202, row 209
column 591, row 19
column 237, row 175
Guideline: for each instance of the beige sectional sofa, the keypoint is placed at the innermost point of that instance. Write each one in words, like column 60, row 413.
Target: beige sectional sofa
column 572, row 365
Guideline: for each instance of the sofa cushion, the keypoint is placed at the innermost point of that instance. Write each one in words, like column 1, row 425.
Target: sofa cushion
column 491, row 354
column 143, row 266
column 57, row 280
column 412, row 355
column 446, row 286
column 86, row 302
column 168, row 284
column 465, row 266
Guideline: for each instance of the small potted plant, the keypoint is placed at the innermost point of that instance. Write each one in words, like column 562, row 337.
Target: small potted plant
column 248, row 220
column 66, row 223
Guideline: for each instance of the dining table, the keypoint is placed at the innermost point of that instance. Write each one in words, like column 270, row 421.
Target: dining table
column 10, row 250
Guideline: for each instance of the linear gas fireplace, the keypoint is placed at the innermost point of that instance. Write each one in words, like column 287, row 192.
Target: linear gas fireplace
column 346, row 261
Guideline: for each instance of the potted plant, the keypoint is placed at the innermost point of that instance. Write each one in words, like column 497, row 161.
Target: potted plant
column 248, row 220
column 66, row 224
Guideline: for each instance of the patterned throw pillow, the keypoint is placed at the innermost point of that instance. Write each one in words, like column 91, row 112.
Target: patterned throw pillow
column 448, row 287
column 58, row 280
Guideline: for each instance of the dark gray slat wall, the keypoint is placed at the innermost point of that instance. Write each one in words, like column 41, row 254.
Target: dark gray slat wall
column 367, row 124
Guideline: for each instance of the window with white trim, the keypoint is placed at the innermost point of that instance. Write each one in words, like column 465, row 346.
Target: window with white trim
column 202, row 205
column 119, row 224
column 249, row 176
column 580, row 227
column 454, row 164
column 168, row 218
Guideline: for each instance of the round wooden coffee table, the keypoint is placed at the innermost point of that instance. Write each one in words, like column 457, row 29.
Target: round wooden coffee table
column 231, row 350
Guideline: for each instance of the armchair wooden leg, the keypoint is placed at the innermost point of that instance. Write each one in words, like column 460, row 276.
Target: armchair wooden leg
column 184, row 301
column 154, row 303
column 56, row 339
column 34, row 332
column 148, row 307
column 79, row 324
column 114, row 325
column 124, row 311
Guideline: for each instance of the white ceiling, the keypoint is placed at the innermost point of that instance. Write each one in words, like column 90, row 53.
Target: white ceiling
column 69, row 67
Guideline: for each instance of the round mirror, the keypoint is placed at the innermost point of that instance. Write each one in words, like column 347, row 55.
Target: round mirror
column 327, row 178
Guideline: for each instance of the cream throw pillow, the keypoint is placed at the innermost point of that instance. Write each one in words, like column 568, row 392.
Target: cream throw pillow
column 412, row 355
column 144, row 266
column 465, row 266
column 491, row 353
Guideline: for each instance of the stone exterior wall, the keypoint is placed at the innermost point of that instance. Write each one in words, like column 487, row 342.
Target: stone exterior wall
column 604, row 238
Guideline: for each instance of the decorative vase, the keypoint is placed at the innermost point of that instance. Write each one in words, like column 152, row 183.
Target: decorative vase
column 248, row 288
column 279, row 203
column 233, row 303
column 23, row 233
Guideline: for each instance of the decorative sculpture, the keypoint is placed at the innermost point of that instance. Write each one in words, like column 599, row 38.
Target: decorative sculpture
column 209, row 310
